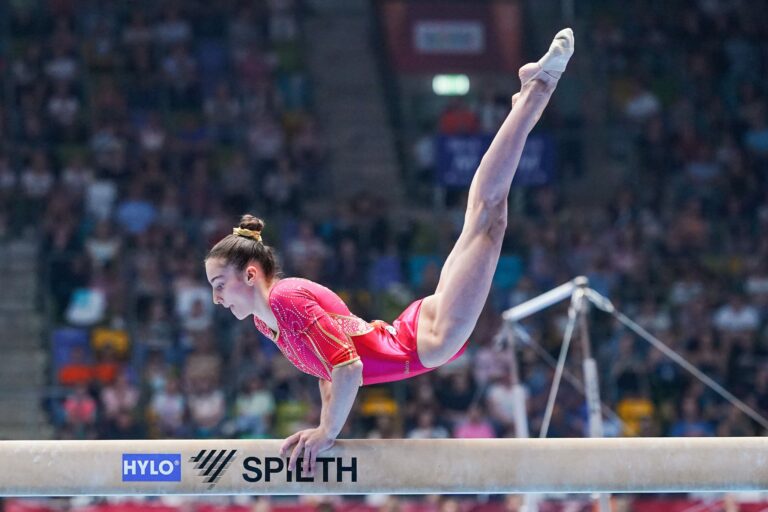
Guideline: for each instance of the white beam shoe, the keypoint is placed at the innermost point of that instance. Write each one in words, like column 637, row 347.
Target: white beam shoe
column 556, row 59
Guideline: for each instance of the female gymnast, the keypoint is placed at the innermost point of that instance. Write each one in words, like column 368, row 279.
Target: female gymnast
column 313, row 327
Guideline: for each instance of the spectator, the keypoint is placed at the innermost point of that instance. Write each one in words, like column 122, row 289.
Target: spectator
column 457, row 394
column 634, row 409
column 123, row 426
column 156, row 372
column 173, row 29
column 476, row 425
column 305, row 250
column 62, row 67
column 458, row 119
column 385, row 427
column 37, row 182
column 108, row 147
column 501, row 402
column 206, row 407
column 222, row 111
column 199, row 318
column 118, row 397
column 100, row 197
column 104, row 244
column 80, row 413
column 239, row 182
column 9, row 180
column 167, row 410
column 736, row 316
column 77, row 371
column 254, row 407
column 63, row 110
column 181, row 78
column 641, row 105
column 204, row 363
column 281, row 188
column 152, row 135
column 77, row 176
column 107, row 366
column 265, row 139
column 136, row 214
column 426, row 427
column 137, row 32
column 690, row 423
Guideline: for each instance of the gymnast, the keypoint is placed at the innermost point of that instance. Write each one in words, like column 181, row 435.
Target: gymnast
column 315, row 330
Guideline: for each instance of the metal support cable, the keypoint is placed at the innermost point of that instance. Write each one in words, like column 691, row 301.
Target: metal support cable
column 605, row 304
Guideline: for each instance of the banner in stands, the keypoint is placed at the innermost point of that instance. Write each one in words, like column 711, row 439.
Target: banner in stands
column 457, row 158
column 452, row 36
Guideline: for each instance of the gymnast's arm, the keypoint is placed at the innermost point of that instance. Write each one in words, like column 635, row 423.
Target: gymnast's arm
column 325, row 397
column 338, row 353
column 337, row 397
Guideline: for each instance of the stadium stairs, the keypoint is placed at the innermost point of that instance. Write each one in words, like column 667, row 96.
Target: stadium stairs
column 22, row 359
column 349, row 100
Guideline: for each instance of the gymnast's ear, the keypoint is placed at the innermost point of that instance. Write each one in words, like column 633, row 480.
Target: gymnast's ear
column 253, row 274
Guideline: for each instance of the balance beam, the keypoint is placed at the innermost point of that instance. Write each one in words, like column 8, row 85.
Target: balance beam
column 69, row 468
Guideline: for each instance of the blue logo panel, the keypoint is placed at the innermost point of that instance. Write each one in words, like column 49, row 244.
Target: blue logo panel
column 151, row 467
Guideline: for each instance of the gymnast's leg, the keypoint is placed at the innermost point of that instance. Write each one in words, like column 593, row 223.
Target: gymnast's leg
column 448, row 317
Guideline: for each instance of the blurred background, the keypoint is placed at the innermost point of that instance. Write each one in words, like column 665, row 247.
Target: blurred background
column 133, row 134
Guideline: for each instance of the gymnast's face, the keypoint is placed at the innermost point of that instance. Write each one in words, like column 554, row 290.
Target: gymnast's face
column 232, row 289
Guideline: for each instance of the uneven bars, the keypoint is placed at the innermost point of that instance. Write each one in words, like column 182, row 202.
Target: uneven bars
column 544, row 300
column 66, row 468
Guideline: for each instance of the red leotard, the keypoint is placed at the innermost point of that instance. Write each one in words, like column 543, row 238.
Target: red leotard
column 317, row 333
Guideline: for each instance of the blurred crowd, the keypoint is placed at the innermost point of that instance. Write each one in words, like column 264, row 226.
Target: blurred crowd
column 138, row 136
column 684, row 248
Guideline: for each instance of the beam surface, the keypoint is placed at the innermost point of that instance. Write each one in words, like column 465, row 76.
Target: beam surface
column 66, row 468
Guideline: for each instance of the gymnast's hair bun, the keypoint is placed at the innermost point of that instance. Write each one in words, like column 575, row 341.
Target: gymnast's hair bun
column 250, row 222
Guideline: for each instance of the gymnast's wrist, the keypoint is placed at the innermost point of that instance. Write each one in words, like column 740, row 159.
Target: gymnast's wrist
column 328, row 431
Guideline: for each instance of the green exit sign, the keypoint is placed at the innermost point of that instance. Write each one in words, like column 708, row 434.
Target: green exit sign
column 450, row 85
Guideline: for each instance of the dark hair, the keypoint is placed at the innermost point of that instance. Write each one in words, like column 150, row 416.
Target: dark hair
column 241, row 250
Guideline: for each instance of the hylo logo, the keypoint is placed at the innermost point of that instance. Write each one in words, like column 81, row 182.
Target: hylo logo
column 151, row 467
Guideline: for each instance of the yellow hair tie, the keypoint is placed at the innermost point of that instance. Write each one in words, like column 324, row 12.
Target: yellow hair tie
column 247, row 233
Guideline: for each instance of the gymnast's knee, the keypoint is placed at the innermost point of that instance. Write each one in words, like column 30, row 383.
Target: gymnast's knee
column 439, row 347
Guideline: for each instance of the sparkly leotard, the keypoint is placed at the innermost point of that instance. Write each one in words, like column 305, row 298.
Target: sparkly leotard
column 317, row 333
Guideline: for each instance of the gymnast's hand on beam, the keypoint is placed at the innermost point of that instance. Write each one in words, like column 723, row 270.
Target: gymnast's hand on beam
column 311, row 442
